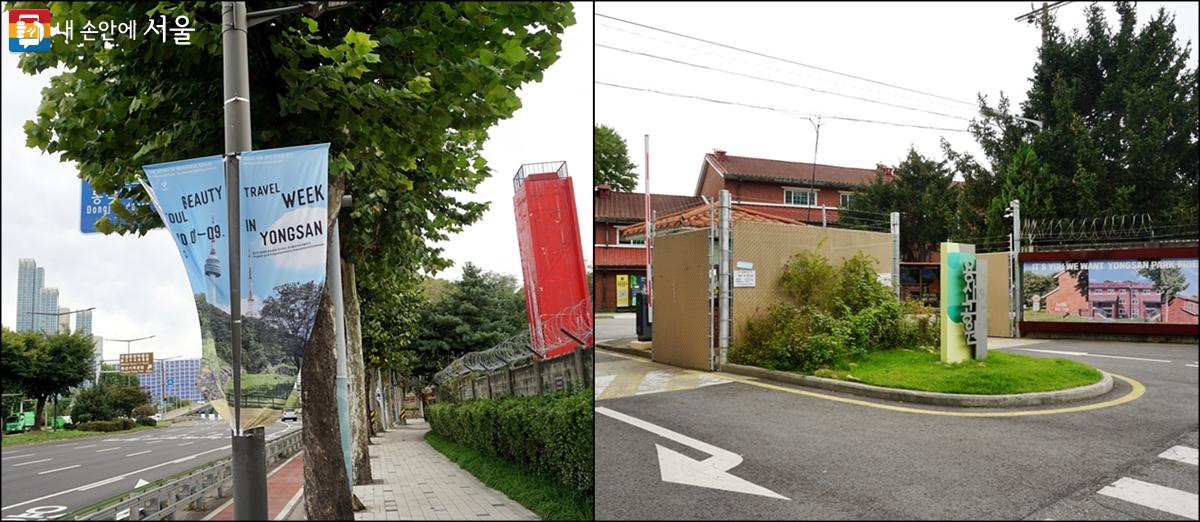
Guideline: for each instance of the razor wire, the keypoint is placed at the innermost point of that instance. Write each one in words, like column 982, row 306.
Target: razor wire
column 1135, row 226
column 571, row 325
column 514, row 349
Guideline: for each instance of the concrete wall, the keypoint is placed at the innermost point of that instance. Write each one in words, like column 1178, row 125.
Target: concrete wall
column 769, row 246
column 681, row 300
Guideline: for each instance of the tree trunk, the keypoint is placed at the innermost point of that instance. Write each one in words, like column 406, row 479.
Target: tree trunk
column 372, row 408
column 359, row 433
column 326, row 487
column 37, row 416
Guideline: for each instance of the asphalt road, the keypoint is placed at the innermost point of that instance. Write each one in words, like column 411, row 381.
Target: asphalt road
column 44, row 480
column 618, row 326
column 836, row 459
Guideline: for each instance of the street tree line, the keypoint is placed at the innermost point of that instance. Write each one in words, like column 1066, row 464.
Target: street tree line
column 404, row 93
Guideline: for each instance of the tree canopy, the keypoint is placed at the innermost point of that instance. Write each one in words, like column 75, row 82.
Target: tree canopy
column 610, row 160
column 46, row 365
column 919, row 191
column 1120, row 116
column 404, row 92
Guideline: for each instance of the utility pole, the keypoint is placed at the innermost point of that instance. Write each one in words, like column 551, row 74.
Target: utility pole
column 724, row 276
column 812, row 184
column 895, row 217
column 1016, row 274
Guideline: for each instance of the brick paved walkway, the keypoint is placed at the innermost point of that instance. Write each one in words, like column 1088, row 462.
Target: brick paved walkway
column 419, row 483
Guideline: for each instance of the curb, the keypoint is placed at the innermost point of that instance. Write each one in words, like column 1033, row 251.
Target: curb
column 625, row 350
column 1015, row 400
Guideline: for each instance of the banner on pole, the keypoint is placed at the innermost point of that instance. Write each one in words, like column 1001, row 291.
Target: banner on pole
column 282, row 196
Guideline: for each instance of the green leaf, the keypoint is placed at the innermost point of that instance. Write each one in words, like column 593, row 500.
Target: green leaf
column 514, row 52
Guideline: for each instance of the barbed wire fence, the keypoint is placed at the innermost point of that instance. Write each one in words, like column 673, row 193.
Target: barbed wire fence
column 517, row 365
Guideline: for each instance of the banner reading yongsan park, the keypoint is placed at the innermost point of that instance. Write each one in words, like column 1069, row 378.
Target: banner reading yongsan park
column 1152, row 291
column 283, row 205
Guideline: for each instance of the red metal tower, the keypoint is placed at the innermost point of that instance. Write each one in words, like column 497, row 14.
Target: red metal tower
column 556, row 292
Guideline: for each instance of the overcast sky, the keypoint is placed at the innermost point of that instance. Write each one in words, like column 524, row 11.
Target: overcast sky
column 953, row 50
column 139, row 286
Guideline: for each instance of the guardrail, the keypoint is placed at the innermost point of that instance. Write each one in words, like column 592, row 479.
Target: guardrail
column 189, row 491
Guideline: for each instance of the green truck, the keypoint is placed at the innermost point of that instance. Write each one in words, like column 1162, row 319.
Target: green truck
column 23, row 421
column 19, row 422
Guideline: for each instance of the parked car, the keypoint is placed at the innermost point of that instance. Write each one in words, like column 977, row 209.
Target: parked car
column 289, row 415
column 156, row 416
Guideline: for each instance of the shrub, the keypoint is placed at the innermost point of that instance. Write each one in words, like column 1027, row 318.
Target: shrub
column 144, row 410
column 837, row 315
column 552, row 436
column 856, row 288
column 808, row 278
column 93, row 404
column 146, row 421
column 112, row 425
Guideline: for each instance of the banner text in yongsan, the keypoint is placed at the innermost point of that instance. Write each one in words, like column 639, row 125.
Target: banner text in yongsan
column 283, row 205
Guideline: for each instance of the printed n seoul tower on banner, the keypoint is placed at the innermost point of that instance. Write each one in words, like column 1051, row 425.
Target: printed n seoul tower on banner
column 284, row 211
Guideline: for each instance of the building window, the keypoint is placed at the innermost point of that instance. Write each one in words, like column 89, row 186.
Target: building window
column 800, row 197
column 624, row 241
column 844, row 202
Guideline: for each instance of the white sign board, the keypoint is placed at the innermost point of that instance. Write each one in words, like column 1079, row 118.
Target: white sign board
column 743, row 278
column 884, row 278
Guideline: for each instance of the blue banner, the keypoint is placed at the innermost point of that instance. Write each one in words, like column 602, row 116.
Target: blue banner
column 283, row 203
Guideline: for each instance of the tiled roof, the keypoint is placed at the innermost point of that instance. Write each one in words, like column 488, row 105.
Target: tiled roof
column 627, row 207
column 698, row 217
column 811, row 215
column 607, row 256
column 789, row 171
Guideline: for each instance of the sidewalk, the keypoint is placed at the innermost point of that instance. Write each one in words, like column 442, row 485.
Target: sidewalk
column 283, row 485
column 416, row 482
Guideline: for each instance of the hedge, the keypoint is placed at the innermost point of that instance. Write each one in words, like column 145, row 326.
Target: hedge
column 112, row 425
column 552, row 435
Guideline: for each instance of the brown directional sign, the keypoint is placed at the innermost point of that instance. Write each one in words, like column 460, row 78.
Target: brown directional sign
column 134, row 363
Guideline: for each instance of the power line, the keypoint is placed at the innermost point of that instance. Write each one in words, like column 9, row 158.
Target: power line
column 1029, row 15
column 773, row 109
column 777, row 69
column 785, row 60
column 780, row 82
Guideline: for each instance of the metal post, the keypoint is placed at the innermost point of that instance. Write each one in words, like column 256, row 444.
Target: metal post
column 650, row 270
column 383, row 412
column 724, row 276
column 1019, row 299
column 333, row 268
column 249, row 449
column 896, row 253
column 824, row 216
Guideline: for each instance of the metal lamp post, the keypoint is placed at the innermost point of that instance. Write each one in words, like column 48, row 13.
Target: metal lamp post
column 162, row 389
column 248, row 448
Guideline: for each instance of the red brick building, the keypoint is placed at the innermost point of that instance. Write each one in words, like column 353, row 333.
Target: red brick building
column 620, row 264
column 788, row 189
column 1183, row 309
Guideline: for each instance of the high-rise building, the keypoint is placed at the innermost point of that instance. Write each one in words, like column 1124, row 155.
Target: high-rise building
column 46, row 319
column 175, row 377
column 83, row 322
column 30, row 279
column 64, row 320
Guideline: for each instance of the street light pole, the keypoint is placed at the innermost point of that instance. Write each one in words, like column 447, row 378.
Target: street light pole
column 249, row 448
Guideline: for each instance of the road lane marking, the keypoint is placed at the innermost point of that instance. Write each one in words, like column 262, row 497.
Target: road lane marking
column 186, row 443
column 59, row 469
column 138, row 453
column 1092, row 355
column 19, row 456
column 1182, row 454
column 124, row 475
column 153, row 442
column 602, row 382
column 712, row 472
column 88, row 446
column 101, row 483
column 653, row 382
column 109, row 449
column 32, row 462
column 1134, row 394
column 1154, row 496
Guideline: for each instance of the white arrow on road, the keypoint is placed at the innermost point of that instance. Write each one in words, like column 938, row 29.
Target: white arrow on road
column 140, row 483
column 681, row 469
